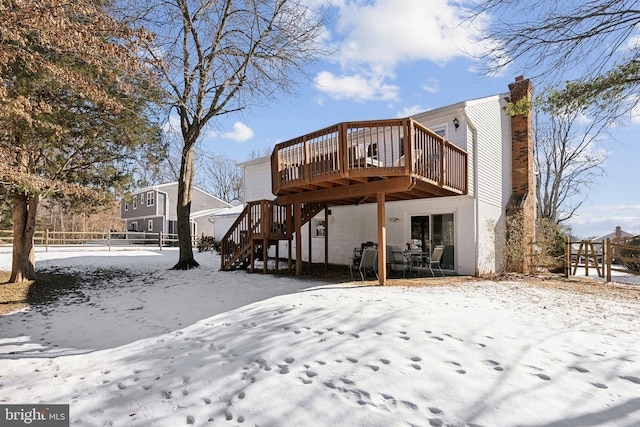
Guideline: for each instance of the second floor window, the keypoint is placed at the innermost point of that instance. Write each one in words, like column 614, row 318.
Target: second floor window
column 135, row 203
column 126, row 205
column 150, row 198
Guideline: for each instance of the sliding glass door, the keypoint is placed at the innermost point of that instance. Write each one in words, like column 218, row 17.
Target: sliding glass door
column 429, row 231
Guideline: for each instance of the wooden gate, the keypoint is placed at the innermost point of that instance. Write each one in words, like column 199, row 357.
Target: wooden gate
column 599, row 257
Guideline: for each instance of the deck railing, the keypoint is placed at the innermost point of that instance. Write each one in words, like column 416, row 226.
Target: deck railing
column 373, row 148
column 262, row 219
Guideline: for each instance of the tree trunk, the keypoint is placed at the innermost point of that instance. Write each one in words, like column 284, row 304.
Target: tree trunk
column 23, row 267
column 185, row 190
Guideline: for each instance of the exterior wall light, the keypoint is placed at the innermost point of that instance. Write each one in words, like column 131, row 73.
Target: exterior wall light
column 456, row 123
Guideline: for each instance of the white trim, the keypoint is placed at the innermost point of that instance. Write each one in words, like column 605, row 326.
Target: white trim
column 151, row 198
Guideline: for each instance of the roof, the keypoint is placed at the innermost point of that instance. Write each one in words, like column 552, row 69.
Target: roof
column 175, row 183
column 234, row 211
column 623, row 235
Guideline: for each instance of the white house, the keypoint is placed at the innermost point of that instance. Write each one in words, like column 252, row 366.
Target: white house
column 442, row 177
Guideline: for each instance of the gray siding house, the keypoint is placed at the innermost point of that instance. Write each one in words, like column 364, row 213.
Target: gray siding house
column 153, row 209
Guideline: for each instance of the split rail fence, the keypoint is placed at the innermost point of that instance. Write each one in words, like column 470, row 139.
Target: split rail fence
column 602, row 257
column 109, row 239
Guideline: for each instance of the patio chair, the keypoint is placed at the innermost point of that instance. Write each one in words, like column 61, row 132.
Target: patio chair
column 369, row 262
column 436, row 256
column 355, row 260
column 398, row 261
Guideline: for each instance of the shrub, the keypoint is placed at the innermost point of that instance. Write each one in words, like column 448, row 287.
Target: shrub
column 208, row 243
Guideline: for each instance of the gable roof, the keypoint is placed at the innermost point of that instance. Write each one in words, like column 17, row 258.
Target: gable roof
column 175, row 184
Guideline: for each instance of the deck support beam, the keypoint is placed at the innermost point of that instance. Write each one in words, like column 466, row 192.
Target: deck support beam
column 297, row 221
column 382, row 240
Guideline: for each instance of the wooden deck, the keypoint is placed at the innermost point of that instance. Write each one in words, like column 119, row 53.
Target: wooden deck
column 350, row 163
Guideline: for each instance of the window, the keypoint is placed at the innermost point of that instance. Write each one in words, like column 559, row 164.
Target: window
column 135, row 203
column 150, row 225
column 142, row 199
column 442, row 131
column 126, row 205
column 150, row 199
column 133, row 226
column 320, row 228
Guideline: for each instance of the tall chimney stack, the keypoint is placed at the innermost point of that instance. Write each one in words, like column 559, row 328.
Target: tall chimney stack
column 522, row 166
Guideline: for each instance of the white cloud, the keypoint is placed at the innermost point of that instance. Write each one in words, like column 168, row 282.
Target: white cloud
column 432, row 86
column 172, row 125
column 240, row 133
column 410, row 111
column 379, row 35
column 599, row 220
column 357, row 87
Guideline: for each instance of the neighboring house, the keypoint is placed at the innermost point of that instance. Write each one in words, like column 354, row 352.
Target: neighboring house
column 447, row 177
column 223, row 219
column 617, row 235
column 153, row 209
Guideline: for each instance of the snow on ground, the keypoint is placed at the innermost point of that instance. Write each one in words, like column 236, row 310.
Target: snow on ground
column 204, row 347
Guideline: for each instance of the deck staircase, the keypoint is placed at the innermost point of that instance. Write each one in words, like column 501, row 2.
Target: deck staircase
column 261, row 224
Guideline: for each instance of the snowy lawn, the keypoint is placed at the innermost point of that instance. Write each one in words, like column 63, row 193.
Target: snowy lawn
column 150, row 346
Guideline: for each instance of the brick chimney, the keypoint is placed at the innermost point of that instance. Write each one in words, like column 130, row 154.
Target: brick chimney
column 522, row 166
column 618, row 233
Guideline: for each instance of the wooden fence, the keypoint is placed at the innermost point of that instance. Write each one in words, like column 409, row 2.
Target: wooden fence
column 109, row 239
column 598, row 257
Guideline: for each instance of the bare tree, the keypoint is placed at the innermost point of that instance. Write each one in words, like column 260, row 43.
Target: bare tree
column 593, row 44
column 215, row 57
column 222, row 177
column 567, row 154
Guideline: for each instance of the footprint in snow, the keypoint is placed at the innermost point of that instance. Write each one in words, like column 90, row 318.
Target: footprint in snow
column 599, row 385
column 289, row 359
column 543, row 377
column 352, row 359
column 374, row 368
column 579, row 369
column 635, row 380
column 416, row 366
column 385, row 361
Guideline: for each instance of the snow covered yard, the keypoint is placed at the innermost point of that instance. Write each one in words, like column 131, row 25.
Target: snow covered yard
column 157, row 347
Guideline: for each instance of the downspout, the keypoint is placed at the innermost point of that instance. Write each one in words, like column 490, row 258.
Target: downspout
column 476, row 204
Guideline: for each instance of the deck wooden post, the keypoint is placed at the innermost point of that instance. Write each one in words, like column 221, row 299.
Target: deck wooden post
column 310, row 241
column 290, row 235
column 297, row 221
column 382, row 241
column 326, row 237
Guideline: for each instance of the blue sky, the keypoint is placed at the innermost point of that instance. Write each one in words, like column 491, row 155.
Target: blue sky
column 395, row 58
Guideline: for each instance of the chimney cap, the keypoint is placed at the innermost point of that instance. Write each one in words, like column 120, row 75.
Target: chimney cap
column 519, row 78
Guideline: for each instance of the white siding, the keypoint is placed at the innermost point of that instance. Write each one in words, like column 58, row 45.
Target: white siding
column 257, row 180
column 493, row 175
column 493, row 150
column 349, row 226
